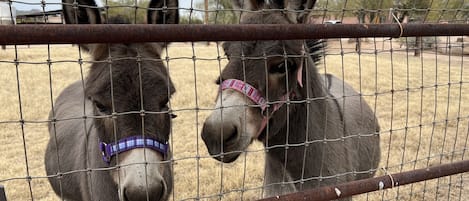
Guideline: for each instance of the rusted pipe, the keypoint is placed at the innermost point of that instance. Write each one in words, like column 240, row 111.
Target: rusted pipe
column 376, row 183
column 120, row 33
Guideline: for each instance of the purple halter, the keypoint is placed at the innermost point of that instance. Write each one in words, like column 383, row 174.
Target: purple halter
column 128, row 143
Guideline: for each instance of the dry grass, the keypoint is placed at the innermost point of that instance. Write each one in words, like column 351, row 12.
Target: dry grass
column 421, row 126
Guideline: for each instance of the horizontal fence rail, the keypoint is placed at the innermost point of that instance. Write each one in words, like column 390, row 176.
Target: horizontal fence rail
column 135, row 33
column 375, row 183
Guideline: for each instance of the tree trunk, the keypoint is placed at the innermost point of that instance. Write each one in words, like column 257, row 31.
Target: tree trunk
column 358, row 45
column 206, row 12
column 418, row 46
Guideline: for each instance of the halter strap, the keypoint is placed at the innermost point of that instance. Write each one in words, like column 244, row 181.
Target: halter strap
column 129, row 143
column 254, row 94
column 246, row 89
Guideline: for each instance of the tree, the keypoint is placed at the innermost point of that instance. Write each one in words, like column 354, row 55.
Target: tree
column 133, row 11
column 184, row 19
column 220, row 12
column 331, row 7
column 451, row 10
column 416, row 11
column 371, row 8
column 464, row 14
column 435, row 11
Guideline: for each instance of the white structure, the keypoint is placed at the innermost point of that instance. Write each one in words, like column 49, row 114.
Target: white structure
column 6, row 13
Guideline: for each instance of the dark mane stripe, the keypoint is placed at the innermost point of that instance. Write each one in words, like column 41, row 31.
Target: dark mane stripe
column 316, row 49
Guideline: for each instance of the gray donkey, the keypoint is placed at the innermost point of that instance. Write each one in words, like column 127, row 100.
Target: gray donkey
column 109, row 134
column 327, row 134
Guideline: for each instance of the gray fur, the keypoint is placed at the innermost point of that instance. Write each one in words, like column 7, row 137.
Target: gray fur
column 73, row 158
column 336, row 113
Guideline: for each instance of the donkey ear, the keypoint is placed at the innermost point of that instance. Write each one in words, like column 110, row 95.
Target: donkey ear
column 248, row 4
column 163, row 12
column 302, row 9
column 81, row 12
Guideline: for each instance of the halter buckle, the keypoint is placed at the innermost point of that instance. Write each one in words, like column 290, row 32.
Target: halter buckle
column 104, row 153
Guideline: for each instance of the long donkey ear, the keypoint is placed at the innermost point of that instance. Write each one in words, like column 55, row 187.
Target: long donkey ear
column 163, row 12
column 299, row 10
column 81, row 12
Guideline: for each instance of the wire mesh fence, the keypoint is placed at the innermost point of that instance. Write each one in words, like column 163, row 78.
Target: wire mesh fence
column 415, row 86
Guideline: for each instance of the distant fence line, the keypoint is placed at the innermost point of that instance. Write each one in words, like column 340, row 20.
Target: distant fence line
column 118, row 33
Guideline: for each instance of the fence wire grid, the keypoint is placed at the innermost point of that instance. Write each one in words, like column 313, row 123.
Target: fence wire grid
column 416, row 87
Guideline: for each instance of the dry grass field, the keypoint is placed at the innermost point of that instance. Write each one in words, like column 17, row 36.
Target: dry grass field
column 420, row 103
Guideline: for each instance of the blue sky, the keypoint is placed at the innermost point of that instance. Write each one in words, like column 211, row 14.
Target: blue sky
column 55, row 4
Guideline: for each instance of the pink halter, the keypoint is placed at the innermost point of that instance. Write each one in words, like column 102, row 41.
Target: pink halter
column 254, row 94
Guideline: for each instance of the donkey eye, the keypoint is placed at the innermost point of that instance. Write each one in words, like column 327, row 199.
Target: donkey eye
column 101, row 108
column 282, row 67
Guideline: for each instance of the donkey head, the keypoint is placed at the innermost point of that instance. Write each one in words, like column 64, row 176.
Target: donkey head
column 130, row 87
column 257, row 72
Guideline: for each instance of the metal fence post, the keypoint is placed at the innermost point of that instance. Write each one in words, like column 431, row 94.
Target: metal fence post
column 3, row 197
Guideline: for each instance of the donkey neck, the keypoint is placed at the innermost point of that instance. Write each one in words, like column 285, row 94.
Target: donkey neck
column 305, row 130
column 307, row 114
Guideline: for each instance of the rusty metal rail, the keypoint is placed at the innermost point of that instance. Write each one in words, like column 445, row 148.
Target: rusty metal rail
column 376, row 183
column 119, row 33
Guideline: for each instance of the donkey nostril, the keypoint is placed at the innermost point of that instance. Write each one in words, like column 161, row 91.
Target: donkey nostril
column 126, row 198
column 161, row 192
column 154, row 193
column 230, row 136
